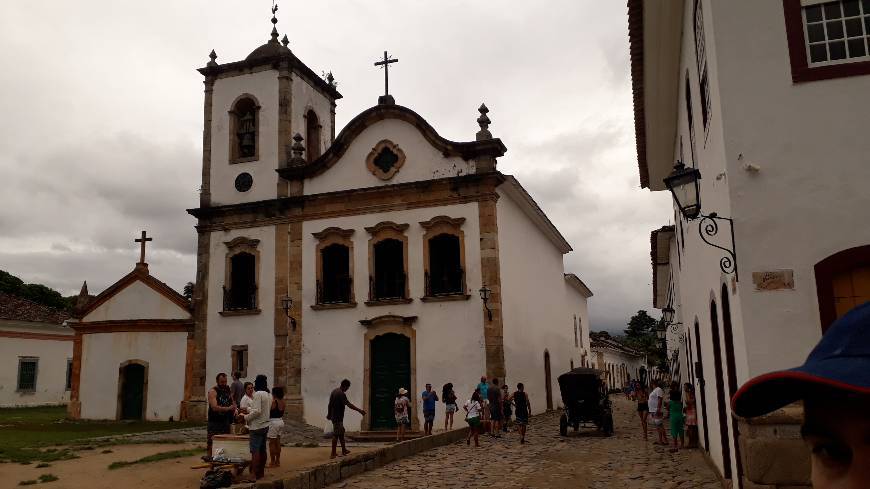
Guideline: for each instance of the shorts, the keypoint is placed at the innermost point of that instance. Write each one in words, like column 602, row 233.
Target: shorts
column 257, row 440
column 642, row 407
column 429, row 416
column 451, row 408
column 402, row 419
column 677, row 429
column 522, row 420
column 473, row 422
column 338, row 428
column 657, row 420
column 494, row 413
column 276, row 427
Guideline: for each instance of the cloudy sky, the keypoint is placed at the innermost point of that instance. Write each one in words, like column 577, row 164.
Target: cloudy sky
column 102, row 118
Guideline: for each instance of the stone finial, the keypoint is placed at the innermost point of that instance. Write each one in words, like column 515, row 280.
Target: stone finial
column 212, row 56
column 83, row 297
column 285, row 41
column 330, row 79
column 274, row 21
column 298, row 150
column 484, row 123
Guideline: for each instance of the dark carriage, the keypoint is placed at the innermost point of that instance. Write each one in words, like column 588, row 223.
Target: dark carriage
column 584, row 395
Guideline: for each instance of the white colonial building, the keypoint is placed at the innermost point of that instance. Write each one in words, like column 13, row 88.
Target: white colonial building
column 619, row 362
column 362, row 255
column 35, row 353
column 766, row 102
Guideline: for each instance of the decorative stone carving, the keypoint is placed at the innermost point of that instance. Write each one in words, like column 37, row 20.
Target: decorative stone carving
column 385, row 159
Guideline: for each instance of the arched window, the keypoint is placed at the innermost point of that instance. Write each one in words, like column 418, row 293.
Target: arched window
column 388, row 262
column 335, row 279
column 240, row 282
column 244, row 129
column 312, row 135
column 444, row 257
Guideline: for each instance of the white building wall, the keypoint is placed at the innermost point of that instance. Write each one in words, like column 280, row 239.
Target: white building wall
column 50, row 376
column 264, row 86
column 423, row 161
column 257, row 331
column 137, row 301
column 306, row 97
column 102, row 355
column 449, row 335
column 612, row 362
column 537, row 316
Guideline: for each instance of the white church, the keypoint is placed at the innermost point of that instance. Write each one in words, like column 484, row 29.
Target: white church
column 385, row 254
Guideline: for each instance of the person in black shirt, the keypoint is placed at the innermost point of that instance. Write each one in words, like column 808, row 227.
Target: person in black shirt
column 221, row 410
column 335, row 413
column 523, row 408
column 495, row 408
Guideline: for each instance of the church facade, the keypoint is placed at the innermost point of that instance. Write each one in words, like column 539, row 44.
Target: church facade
column 366, row 255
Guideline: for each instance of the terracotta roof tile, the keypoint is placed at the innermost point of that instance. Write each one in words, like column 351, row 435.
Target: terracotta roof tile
column 17, row 308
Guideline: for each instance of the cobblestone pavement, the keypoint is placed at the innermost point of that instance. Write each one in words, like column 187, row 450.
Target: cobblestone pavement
column 582, row 460
column 295, row 434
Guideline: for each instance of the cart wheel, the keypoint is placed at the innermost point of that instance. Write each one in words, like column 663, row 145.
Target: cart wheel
column 563, row 425
column 607, row 426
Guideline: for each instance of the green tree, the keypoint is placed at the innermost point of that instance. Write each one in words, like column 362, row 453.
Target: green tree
column 641, row 335
column 38, row 293
column 640, row 325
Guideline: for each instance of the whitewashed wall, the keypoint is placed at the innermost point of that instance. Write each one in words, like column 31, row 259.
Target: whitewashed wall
column 618, row 359
column 423, row 162
column 306, row 97
column 256, row 331
column 449, row 335
column 137, row 301
column 51, row 371
column 537, row 313
column 264, row 86
column 102, row 356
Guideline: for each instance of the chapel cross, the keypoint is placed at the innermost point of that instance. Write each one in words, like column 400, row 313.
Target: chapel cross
column 386, row 64
column 142, row 241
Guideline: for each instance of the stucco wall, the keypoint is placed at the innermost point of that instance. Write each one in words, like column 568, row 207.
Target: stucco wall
column 538, row 310
column 449, row 335
column 264, row 86
column 137, row 301
column 102, row 355
column 423, row 162
column 612, row 361
column 256, row 331
column 306, row 97
column 50, row 375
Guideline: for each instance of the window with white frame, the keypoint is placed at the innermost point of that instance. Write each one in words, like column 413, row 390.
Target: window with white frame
column 27, row 369
column 836, row 32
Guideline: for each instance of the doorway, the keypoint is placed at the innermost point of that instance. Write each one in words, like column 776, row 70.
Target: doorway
column 842, row 283
column 548, row 383
column 132, row 386
column 720, row 392
column 702, row 391
column 390, row 370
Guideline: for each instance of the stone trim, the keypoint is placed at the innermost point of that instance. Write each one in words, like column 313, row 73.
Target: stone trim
column 285, row 129
column 293, row 385
column 825, row 270
column 205, row 190
column 370, row 159
column 194, row 404
column 134, row 326
column 74, row 408
column 326, row 307
column 493, row 331
column 241, row 312
column 388, row 302
column 234, row 357
column 281, row 323
column 436, row 226
column 327, row 237
column 234, row 158
column 773, row 453
column 119, row 406
column 25, row 335
column 139, row 273
column 237, row 246
column 382, row 325
column 446, row 298
column 379, row 232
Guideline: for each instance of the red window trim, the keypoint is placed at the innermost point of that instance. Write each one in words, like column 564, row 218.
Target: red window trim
column 797, row 51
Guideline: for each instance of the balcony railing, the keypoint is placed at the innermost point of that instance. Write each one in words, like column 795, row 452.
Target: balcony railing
column 240, row 300
column 444, row 282
column 387, row 286
column 335, row 291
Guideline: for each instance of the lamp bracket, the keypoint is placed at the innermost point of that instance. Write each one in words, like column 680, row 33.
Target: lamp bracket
column 709, row 227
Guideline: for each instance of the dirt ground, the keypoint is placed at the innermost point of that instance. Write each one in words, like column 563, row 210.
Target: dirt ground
column 91, row 470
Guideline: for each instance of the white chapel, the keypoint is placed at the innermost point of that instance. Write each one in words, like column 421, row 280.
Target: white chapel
column 385, row 254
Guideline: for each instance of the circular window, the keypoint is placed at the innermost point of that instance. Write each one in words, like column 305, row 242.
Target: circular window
column 244, row 182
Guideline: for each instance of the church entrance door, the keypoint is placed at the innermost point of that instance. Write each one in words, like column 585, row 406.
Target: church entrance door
column 132, row 391
column 390, row 370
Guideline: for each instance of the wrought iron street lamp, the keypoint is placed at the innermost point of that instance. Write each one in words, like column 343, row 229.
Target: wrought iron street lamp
column 668, row 314
column 484, row 296
column 684, row 184
column 287, row 306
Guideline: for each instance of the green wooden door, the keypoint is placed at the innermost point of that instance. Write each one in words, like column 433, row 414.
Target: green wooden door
column 390, row 370
column 132, row 391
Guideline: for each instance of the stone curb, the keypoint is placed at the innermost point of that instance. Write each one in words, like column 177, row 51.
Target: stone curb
column 339, row 469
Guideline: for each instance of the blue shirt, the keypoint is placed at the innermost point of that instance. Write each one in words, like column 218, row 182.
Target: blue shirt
column 484, row 389
column 429, row 402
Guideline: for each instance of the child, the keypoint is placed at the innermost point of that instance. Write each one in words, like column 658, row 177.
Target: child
column 691, row 411
column 675, row 408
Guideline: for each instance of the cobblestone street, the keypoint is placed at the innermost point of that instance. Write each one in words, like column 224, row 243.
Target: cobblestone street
column 583, row 460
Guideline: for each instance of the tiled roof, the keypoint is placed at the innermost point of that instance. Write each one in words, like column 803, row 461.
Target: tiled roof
column 604, row 340
column 16, row 308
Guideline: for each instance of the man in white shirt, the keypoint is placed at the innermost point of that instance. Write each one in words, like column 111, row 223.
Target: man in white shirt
column 655, row 402
column 257, row 419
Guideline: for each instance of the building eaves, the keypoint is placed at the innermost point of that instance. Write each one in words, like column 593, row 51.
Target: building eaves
column 659, row 258
column 518, row 194
column 578, row 284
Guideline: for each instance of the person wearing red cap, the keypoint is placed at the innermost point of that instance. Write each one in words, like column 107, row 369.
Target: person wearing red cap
column 834, row 385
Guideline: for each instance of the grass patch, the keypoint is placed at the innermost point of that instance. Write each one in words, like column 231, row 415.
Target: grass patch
column 156, row 458
column 34, row 434
column 48, row 478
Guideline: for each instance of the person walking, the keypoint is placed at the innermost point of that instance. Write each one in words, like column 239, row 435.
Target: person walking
column 656, row 406
column 675, row 418
column 221, row 410
column 448, row 396
column 523, row 408
column 642, row 407
column 483, row 388
column 506, row 408
column 430, row 397
column 276, row 426
column 335, row 413
column 257, row 419
column 237, row 388
column 691, row 411
column 473, row 409
column 401, row 406
column 495, row 408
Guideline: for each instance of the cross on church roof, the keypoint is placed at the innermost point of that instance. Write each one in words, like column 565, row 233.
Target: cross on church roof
column 387, row 98
column 142, row 241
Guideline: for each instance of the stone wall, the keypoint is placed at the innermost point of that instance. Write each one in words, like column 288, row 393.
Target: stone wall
column 774, row 455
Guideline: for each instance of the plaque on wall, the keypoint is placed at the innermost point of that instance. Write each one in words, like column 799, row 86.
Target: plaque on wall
column 774, row 280
column 244, row 182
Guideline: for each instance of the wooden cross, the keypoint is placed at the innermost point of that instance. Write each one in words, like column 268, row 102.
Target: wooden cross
column 142, row 241
column 386, row 64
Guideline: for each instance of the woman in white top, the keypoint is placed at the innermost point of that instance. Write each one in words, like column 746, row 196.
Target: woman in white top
column 247, row 400
column 257, row 419
column 473, row 408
